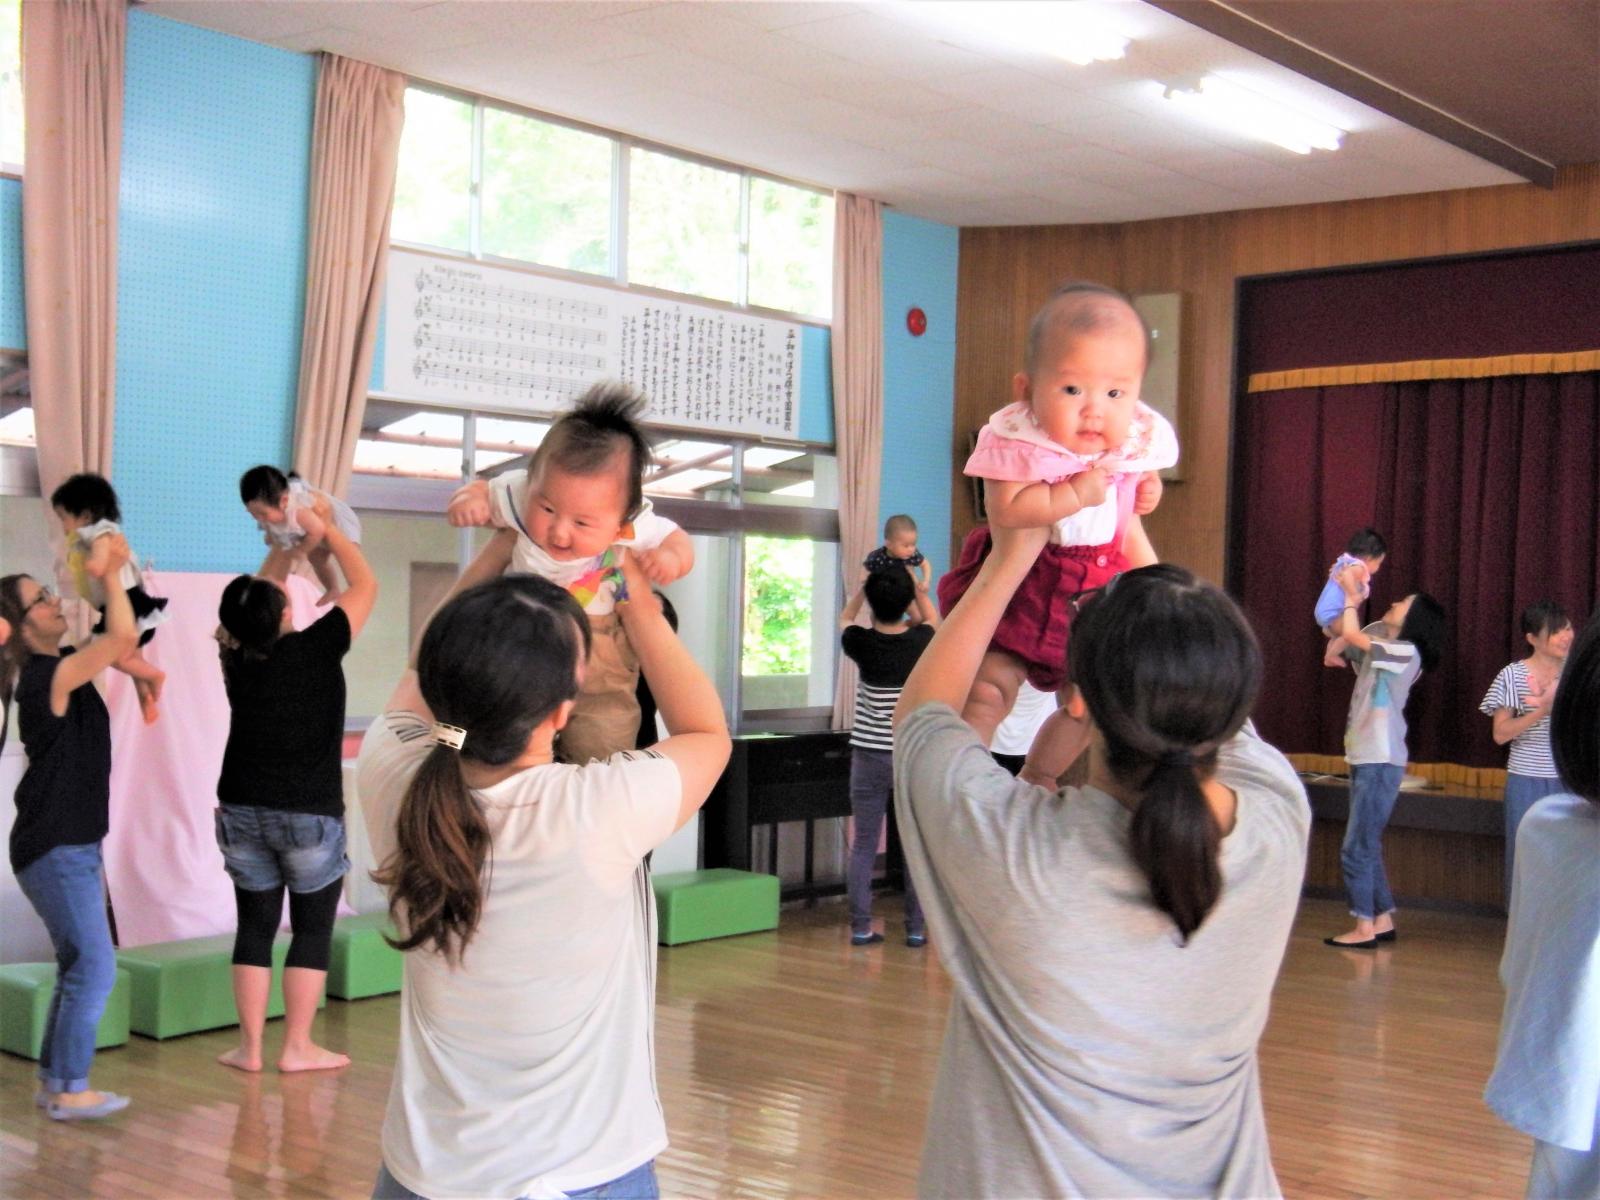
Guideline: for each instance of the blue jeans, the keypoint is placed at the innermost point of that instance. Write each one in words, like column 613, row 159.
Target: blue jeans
column 66, row 888
column 1373, row 789
column 266, row 848
column 871, row 790
column 638, row 1184
column 1522, row 793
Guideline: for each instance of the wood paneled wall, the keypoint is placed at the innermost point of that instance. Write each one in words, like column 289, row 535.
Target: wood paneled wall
column 1006, row 273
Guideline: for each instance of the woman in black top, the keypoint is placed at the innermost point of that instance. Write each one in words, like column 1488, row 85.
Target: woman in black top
column 280, row 823
column 62, row 818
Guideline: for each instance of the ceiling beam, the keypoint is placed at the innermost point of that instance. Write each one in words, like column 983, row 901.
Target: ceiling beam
column 1250, row 34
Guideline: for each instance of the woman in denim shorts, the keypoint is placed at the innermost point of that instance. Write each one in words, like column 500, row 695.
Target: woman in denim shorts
column 280, row 820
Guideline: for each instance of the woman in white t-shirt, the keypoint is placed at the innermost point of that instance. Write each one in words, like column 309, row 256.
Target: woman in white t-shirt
column 1519, row 700
column 526, row 1057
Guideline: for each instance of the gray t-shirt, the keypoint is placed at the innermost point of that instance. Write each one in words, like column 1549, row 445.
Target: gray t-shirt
column 1376, row 730
column 1088, row 1052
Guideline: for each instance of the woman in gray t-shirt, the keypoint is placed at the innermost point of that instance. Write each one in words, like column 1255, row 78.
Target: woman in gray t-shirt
column 1112, row 947
column 1389, row 656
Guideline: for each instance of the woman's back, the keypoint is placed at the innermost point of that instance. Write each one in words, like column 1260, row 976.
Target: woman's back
column 1089, row 1051
column 527, row 1066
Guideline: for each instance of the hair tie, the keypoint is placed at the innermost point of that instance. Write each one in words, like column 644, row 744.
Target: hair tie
column 452, row 736
column 1176, row 758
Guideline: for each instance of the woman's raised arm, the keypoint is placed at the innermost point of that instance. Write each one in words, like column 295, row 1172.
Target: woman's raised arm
column 121, row 634
column 945, row 672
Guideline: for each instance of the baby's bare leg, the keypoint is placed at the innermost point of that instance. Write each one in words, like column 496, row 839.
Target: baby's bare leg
column 1333, row 656
column 322, row 566
column 993, row 693
column 147, row 681
column 1057, row 745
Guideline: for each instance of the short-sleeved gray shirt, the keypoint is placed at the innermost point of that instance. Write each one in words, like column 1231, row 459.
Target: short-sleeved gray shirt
column 1376, row 730
column 1088, row 1052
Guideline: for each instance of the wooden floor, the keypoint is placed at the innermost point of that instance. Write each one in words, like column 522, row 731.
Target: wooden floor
column 792, row 1064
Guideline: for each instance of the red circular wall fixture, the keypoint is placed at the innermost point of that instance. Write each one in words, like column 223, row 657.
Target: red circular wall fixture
column 917, row 322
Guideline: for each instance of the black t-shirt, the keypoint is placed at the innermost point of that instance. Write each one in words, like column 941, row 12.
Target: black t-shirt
column 65, row 792
column 286, row 733
column 885, row 659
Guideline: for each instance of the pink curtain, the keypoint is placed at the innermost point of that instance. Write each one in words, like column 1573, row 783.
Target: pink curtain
column 356, row 143
column 857, row 344
column 72, row 69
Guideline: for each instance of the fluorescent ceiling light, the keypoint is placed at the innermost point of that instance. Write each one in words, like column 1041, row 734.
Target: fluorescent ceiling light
column 1064, row 28
column 1218, row 102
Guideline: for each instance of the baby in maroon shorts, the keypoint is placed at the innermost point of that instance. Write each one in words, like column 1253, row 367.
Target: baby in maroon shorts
column 1076, row 450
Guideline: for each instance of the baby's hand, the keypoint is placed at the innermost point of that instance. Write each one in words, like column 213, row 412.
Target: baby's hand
column 1148, row 494
column 660, row 566
column 1090, row 486
column 470, row 505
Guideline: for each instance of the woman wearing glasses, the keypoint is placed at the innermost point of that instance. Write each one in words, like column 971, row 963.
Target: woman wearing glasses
column 62, row 804
column 1112, row 947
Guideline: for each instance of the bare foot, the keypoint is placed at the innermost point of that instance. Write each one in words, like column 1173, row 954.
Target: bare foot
column 1033, row 775
column 1334, row 660
column 240, row 1060
column 312, row 1058
column 147, row 702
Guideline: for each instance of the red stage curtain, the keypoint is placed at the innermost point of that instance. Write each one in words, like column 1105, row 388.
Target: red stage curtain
column 1488, row 491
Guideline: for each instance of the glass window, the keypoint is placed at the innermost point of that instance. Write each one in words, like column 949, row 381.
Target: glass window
column 790, row 477
column 691, row 470
column 433, row 181
column 791, row 248
column 683, row 225
column 417, row 443
column 546, row 193
column 790, row 609
column 11, row 82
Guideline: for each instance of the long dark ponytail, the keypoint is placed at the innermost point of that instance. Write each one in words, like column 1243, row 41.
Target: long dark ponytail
column 15, row 649
column 496, row 661
column 1169, row 670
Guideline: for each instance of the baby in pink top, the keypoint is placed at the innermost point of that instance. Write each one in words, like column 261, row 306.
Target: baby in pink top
column 1076, row 450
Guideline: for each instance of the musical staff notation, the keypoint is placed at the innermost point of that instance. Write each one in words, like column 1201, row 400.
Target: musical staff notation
column 458, row 332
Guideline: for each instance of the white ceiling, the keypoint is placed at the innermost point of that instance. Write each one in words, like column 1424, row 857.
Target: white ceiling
column 963, row 126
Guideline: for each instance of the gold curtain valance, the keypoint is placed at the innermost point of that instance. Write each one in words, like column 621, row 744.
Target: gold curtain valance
column 1429, row 368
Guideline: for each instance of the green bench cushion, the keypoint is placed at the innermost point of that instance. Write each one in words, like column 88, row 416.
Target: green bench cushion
column 186, row 987
column 695, row 905
column 362, row 963
column 25, row 990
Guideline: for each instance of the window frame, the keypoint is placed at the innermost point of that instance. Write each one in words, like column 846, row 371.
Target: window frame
column 621, row 144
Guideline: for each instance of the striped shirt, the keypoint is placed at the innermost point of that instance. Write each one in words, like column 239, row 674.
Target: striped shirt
column 885, row 660
column 1530, row 750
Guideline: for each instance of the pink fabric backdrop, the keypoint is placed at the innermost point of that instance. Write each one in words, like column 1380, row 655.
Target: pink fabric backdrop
column 163, row 868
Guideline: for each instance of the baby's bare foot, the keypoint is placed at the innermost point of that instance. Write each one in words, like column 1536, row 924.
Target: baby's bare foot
column 312, row 1058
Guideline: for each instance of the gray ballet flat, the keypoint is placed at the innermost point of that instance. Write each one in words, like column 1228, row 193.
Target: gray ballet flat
column 112, row 1103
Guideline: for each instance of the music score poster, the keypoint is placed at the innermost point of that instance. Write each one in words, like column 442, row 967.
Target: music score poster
column 468, row 334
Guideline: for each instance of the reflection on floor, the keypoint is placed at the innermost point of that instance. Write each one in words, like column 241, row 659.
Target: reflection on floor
column 793, row 1065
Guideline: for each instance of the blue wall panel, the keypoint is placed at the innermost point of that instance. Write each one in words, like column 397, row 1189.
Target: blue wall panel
column 211, row 281
column 816, row 384
column 13, row 327
column 919, row 271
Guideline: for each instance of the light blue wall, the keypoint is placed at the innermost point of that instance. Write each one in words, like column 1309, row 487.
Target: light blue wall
column 13, row 329
column 919, row 271
column 216, row 163
column 816, row 384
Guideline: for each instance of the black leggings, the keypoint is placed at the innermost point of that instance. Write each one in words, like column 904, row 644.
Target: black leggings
column 310, row 917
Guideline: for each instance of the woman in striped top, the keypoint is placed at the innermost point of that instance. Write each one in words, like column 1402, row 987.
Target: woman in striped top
column 885, row 652
column 1519, row 700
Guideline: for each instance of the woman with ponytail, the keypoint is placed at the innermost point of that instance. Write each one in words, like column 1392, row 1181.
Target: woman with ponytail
column 63, row 804
column 1112, row 947
column 520, row 894
column 280, row 820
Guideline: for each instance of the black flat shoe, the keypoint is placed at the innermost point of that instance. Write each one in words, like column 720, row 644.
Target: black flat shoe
column 1370, row 944
column 1388, row 935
